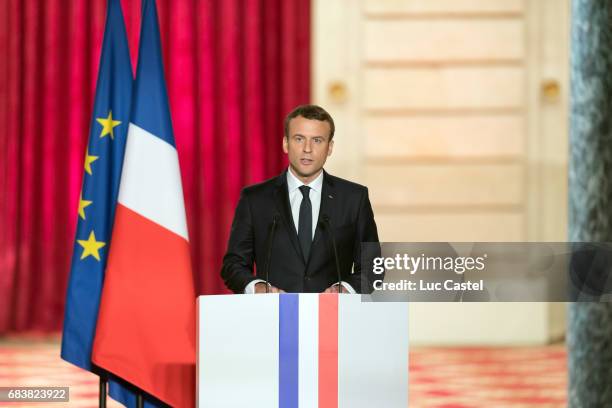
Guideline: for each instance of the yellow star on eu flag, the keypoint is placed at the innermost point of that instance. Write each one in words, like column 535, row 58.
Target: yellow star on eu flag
column 82, row 205
column 91, row 246
column 108, row 124
column 88, row 160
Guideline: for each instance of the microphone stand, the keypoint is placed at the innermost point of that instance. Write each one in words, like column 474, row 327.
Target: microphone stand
column 269, row 254
column 327, row 223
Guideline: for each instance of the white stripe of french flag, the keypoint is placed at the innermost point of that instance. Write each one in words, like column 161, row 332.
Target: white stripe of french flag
column 151, row 181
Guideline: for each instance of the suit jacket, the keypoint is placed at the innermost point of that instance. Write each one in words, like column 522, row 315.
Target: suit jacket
column 349, row 212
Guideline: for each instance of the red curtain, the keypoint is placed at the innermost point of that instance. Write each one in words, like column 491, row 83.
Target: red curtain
column 234, row 68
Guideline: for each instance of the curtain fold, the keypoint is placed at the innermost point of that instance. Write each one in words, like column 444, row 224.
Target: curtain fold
column 234, row 68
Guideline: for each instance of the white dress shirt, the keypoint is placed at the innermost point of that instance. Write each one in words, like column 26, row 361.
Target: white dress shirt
column 296, row 197
column 295, row 200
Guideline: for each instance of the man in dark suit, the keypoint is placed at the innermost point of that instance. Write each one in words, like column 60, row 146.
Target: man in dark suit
column 294, row 217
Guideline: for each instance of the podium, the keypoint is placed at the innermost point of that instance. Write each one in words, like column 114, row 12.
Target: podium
column 301, row 350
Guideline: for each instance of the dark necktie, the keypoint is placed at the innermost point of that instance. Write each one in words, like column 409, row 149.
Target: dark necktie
column 305, row 223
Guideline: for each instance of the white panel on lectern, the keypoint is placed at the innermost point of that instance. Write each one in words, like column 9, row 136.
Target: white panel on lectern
column 372, row 354
column 238, row 351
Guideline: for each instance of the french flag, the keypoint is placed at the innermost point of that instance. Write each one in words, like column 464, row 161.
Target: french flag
column 145, row 333
column 301, row 350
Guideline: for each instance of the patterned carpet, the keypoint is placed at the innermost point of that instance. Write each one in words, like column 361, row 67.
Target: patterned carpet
column 488, row 377
column 439, row 377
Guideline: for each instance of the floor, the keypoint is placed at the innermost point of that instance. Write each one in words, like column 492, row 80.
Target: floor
column 488, row 377
column 439, row 377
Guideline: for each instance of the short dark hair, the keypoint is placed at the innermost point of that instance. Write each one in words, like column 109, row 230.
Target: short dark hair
column 314, row 112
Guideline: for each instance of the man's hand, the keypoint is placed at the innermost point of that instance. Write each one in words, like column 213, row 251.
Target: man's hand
column 260, row 287
column 334, row 289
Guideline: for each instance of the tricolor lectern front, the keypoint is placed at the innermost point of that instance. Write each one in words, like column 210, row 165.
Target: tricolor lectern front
column 301, row 350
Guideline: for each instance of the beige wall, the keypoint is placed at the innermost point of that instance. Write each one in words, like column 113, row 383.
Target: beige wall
column 453, row 112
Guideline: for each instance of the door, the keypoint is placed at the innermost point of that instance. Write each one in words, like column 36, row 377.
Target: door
column 454, row 114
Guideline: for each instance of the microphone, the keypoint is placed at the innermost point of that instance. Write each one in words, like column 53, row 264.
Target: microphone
column 328, row 227
column 269, row 252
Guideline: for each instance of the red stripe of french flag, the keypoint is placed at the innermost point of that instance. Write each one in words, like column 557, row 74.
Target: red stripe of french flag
column 328, row 351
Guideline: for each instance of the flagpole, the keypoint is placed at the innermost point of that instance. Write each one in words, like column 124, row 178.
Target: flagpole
column 102, row 401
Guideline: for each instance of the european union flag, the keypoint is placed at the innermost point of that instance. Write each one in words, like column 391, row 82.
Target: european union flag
column 98, row 198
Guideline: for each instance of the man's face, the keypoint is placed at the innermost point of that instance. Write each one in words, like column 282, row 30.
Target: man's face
column 307, row 146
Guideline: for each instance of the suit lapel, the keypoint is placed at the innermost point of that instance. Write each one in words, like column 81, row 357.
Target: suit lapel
column 328, row 207
column 281, row 199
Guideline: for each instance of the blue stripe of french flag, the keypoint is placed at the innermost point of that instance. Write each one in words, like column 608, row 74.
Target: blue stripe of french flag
column 288, row 351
